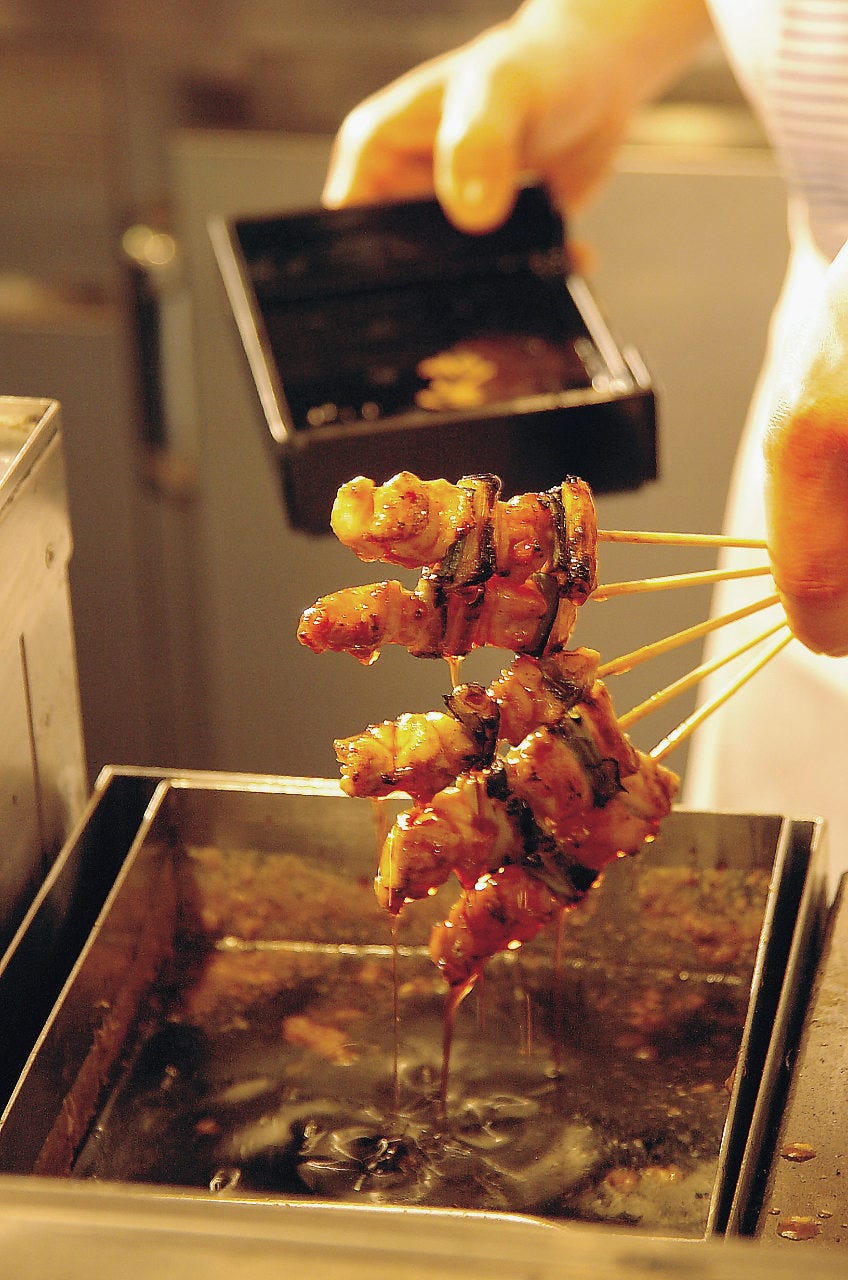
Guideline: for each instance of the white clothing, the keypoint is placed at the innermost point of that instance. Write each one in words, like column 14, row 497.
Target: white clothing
column 779, row 744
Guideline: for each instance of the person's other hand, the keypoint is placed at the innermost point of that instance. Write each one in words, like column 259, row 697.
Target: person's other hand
column 806, row 490
column 546, row 94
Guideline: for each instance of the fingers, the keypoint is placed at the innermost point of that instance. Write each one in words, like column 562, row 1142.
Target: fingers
column 384, row 147
column 453, row 126
column 806, row 494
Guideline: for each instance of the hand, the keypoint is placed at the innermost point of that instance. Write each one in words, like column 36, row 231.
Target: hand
column 547, row 94
column 806, row 490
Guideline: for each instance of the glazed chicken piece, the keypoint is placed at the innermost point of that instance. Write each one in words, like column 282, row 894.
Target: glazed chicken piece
column 508, row 906
column 562, row 804
column 536, row 691
column 469, row 533
column 584, row 801
column 466, row 829
column 504, row 910
column 420, row 753
column 406, row 521
column 526, row 617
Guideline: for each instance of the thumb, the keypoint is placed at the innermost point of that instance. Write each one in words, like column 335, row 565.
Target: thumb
column 478, row 147
column 806, row 495
column 806, row 478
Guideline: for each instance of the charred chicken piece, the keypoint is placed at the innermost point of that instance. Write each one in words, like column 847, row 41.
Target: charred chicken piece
column 583, row 800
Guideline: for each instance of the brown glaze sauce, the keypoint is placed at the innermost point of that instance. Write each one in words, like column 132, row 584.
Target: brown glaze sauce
column 797, row 1152
column 798, row 1228
column 453, row 1000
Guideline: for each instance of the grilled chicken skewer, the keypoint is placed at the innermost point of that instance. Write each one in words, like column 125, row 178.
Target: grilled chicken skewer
column 525, row 790
column 560, row 805
column 506, row 574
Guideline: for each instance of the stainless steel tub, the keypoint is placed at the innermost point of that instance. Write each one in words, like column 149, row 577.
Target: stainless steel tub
column 228, row 1024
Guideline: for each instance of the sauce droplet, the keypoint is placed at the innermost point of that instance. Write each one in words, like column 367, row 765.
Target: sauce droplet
column 798, row 1228
column 797, row 1152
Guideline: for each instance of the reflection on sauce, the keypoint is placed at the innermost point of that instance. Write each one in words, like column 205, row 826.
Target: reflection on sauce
column 382, row 823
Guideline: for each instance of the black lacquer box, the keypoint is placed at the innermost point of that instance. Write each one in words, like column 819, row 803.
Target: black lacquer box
column 381, row 338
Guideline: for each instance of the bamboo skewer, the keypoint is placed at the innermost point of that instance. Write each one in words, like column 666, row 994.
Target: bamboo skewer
column 680, row 539
column 688, row 726
column 671, row 581
column 693, row 677
column 627, row 661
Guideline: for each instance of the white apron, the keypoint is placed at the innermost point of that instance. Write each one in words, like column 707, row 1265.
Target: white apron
column 780, row 745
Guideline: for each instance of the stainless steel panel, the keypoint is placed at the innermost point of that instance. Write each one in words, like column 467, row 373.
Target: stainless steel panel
column 805, row 1193
column 48, row 942
column 55, row 1229
column 42, row 761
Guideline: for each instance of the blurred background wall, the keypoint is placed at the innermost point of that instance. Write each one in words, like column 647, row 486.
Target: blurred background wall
column 125, row 126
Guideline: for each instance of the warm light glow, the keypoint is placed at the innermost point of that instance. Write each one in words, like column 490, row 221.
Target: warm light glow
column 149, row 248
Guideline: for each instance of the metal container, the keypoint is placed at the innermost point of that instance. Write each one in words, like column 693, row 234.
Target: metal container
column 337, row 309
column 238, row 1038
column 801, row 1194
column 41, row 746
column 60, row 1228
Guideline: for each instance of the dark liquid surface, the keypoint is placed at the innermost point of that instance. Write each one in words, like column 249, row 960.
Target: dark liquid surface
column 597, row 1095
